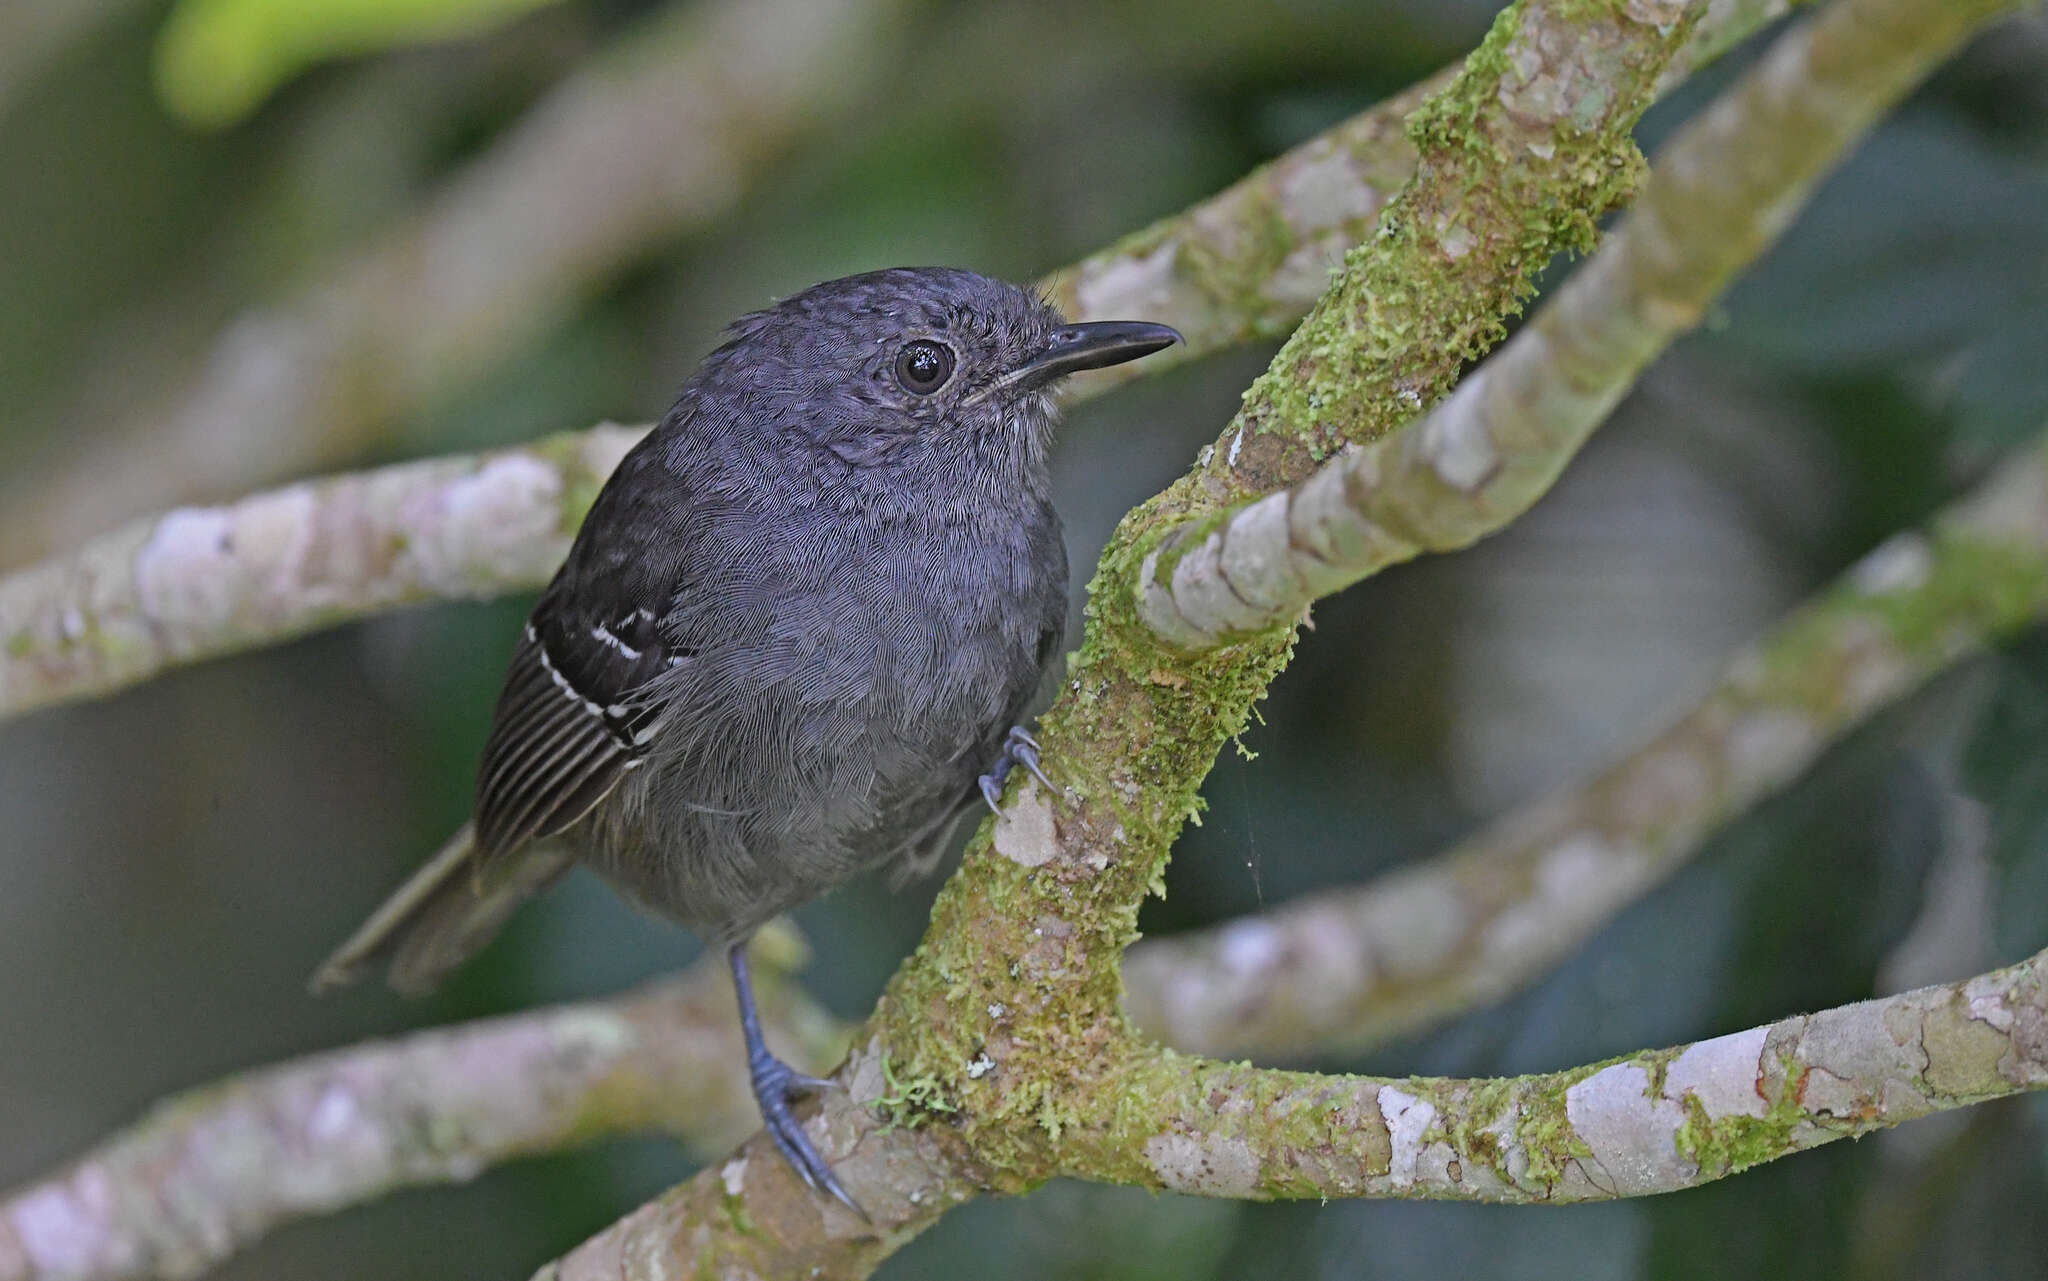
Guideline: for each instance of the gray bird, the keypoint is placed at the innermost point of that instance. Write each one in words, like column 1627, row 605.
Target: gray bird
column 792, row 640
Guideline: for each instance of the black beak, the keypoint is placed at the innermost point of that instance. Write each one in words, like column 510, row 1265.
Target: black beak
column 1095, row 345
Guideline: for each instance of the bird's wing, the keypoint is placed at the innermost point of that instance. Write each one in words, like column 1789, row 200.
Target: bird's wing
column 579, row 706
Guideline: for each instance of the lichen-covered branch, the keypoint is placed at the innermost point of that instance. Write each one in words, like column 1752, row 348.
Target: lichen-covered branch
column 1722, row 191
column 1645, row 1123
column 1360, row 966
column 202, row 581
column 659, row 136
column 1652, row 1122
column 1518, row 158
column 209, row 1171
column 1246, row 263
column 1015, row 993
column 749, row 1215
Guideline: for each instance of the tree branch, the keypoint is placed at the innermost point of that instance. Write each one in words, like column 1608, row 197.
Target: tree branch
column 1075, row 957
column 429, row 1108
column 202, row 581
column 211, row 1170
column 1361, row 966
column 1646, row 1123
column 1722, row 192
column 603, row 170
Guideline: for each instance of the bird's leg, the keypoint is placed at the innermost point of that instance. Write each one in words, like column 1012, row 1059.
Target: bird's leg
column 775, row 1084
column 1019, row 748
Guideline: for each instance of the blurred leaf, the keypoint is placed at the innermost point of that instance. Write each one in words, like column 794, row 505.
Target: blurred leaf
column 2005, row 765
column 1411, row 1241
column 1962, row 1208
column 1790, row 1220
column 217, row 60
column 1925, row 257
column 1079, row 1232
column 1793, row 907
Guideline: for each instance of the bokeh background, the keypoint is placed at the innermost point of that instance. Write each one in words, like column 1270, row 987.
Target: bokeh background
column 175, row 860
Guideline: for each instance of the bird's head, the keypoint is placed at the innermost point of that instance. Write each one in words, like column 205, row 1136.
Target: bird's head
column 916, row 369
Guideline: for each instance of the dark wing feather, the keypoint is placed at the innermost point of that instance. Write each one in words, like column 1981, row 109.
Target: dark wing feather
column 578, row 707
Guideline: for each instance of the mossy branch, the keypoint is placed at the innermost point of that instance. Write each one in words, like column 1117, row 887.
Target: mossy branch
column 1645, row 1123
column 1361, row 966
column 1722, row 192
column 1036, row 922
column 1339, row 969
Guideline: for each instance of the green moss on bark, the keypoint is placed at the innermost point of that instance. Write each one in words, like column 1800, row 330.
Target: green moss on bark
column 1137, row 726
column 1729, row 1144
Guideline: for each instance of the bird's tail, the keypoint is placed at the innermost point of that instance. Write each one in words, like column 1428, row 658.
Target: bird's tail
column 444, row 914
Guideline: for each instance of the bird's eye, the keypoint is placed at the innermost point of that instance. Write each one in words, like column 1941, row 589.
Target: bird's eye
column 924, row 366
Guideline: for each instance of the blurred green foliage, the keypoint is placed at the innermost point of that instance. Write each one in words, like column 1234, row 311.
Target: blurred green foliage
column 217, row 60
column 178, row 858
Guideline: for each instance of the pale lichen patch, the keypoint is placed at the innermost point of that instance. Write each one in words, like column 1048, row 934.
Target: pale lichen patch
column 1578, row 879
column 1825, row 1094
column 1250, row 946
column 1963, row 1054
column 1767, row 745
column 1900, row 563
column 1459, row 445
column 488, row 528
column 1210, row 1165
column 1024, row 830
column 1408, row 1119
column 733, row 1174
column 62, row 1226
column 1722, row 1074
column 334, row 1113
column 1324, row 190
column 1852, row 1044
column 1136, row 284
column 1632, row 1134
column 201, row 565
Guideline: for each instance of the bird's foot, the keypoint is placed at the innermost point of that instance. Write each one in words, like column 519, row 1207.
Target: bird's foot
column 1019, row 748
column 776, row 1085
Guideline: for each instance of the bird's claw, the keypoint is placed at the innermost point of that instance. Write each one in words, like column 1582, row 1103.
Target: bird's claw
column 775, row 1085
column 1019, row 748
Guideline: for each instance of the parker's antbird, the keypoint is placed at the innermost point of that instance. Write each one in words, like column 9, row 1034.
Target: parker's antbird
column 792, row 640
